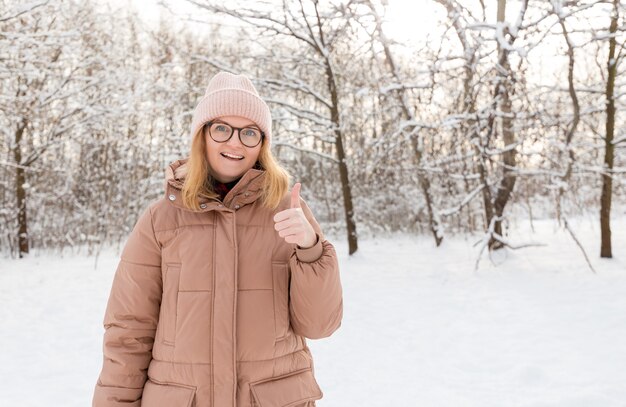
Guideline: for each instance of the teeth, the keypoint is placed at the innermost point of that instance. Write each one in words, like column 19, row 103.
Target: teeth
column 232, row 155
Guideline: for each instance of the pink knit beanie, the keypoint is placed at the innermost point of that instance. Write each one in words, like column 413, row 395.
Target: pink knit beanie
column 232, row 95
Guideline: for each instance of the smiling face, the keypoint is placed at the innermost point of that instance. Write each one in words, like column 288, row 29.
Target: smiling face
column 224, row 168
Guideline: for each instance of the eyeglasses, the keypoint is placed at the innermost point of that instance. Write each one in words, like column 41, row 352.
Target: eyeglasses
column 222, row 132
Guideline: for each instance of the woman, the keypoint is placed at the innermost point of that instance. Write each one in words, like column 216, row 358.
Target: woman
column 223, row 278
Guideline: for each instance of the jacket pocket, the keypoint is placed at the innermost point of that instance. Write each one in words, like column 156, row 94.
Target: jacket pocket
column 280, row 285
column 288, row 390
column 169, row 303
column 167, row 394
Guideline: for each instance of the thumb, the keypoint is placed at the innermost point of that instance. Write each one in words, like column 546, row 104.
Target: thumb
column 295, row 196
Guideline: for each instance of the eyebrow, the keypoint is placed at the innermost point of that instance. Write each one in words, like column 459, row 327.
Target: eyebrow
column 249, row 125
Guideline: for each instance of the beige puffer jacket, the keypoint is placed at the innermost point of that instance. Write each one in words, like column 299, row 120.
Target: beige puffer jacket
column 211, row 308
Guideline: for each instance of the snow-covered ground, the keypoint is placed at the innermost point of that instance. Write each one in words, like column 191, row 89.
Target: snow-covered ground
column 421, row 328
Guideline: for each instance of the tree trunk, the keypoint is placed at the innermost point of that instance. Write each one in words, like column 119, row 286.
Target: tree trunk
column 609, row 147
column 508, row 136
column 20, row 192
column 336, row 121
column 341, row 156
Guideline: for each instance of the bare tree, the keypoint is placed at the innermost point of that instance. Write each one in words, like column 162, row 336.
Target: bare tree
column 483, row 125
column 410, row 125
column 609, row 149
column 505, row 76
column 571, row 129
column 316, row 29
column 40, row 104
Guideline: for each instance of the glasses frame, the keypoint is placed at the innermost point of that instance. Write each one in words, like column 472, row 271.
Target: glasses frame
column 233, row 128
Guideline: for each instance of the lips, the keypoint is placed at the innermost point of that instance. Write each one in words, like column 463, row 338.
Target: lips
column 232, row 156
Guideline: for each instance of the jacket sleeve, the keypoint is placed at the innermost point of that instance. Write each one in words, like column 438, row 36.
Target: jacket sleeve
column 130, row 319
column 315, row 293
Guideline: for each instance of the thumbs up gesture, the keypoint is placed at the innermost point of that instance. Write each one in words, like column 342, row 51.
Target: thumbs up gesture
column 292, row 225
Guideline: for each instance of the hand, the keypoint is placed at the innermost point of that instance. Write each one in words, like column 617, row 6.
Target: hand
column 292, row 225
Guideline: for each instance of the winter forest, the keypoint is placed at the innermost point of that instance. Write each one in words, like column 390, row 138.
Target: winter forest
column 509, row 109
column 484, row 127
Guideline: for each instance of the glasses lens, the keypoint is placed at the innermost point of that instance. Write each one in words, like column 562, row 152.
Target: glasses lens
column 220, row 131
column 250, row 136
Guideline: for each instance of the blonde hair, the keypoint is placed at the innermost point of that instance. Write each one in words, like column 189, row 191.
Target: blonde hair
column 199, row 182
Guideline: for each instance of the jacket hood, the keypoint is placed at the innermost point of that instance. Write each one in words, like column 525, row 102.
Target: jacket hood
column 249, row 186
column 175, row 173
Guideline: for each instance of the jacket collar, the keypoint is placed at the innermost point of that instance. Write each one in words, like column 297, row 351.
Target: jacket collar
column 246, row 191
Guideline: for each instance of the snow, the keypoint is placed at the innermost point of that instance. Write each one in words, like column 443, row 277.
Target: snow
column 532, row 327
